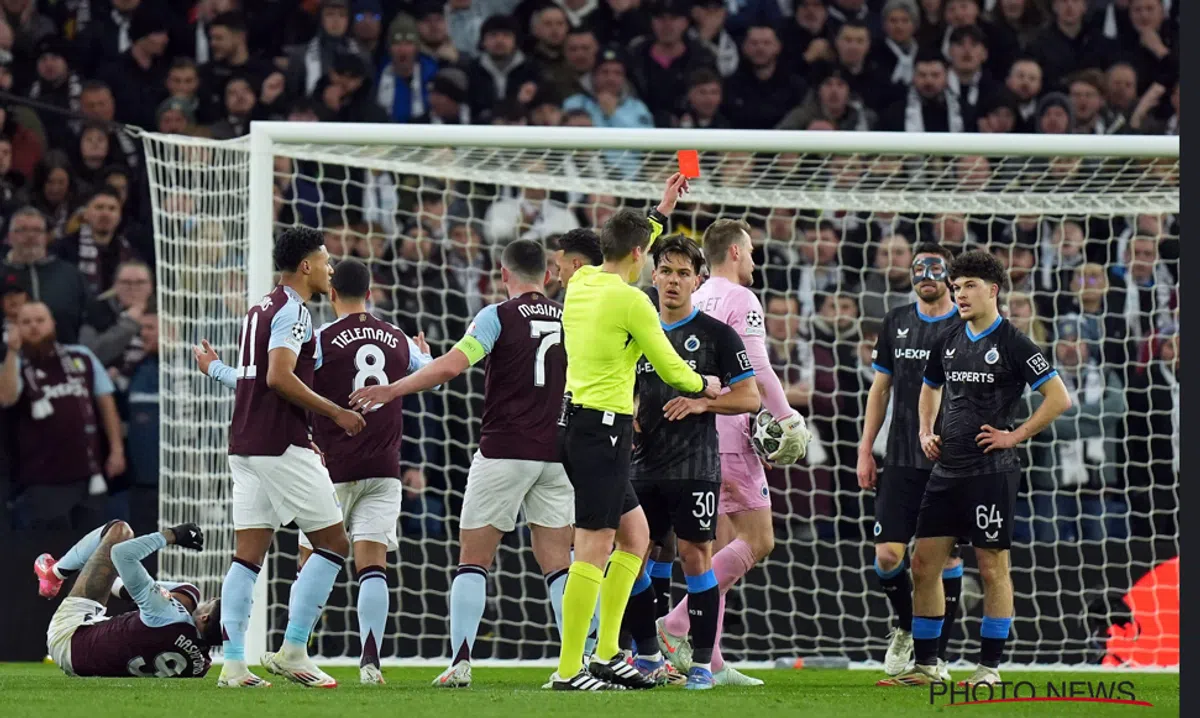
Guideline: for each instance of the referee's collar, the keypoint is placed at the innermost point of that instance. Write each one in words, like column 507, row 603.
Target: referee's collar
column 681, row 322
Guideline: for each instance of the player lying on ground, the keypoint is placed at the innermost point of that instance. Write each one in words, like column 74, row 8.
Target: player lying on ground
column 277, row 477
column 745, row 504
column 517, row 465
column 169, row 634
column 975, row 377
column 356, row 349
column 899, row 359
column 676, row 469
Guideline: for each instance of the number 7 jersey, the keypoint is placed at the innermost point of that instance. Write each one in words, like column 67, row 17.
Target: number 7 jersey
column 354, row 351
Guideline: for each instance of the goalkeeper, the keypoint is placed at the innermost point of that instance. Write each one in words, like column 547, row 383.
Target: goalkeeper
column 608, row 325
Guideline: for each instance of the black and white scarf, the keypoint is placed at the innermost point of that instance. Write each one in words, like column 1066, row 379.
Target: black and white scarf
column 91, row 263
column 385, row 95
column 906, row 61
column 955, row 85
column 914, row 112
column 122, row 22
column 319, row 55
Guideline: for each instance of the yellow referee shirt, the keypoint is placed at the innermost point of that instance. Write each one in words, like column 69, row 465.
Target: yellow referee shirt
column 607, row 326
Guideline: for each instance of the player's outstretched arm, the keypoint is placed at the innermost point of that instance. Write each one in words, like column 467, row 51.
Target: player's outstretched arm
column 742, row 398
column 877, row 402
column 211, row 365
column 282, row 379
column 642, row 323
column 435, row 373
column 1055, row 400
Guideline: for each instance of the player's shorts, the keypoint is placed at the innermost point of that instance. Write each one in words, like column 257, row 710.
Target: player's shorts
column 273, row 491
column 743, row 483
column 898, row 502
column 597, row 452
column 371, row 508
column 72, row 614
column 978, row 508
column 498, row 489
column 687, row 505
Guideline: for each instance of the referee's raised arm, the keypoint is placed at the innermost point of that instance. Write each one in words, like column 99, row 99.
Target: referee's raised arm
column 607, row 326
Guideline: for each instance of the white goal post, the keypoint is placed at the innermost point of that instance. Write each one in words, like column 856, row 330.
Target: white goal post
column 403, row 197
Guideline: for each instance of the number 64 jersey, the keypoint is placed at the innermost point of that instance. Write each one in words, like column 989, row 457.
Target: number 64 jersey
column 354, row 351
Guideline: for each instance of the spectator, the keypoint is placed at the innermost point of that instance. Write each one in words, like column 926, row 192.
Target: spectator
column 762, row 91
column 786, row 351
column 852, row 46
column 447, row 99
column 967, row 79
column 1001, row 44
column 533, row 215
column 608, row 97
column 25, row 144
column 1020, row 20
column 546, row 108
column 703, row 102
column 1153, row 438
column 1061, row 253
column 615, row 22
column 137, row 77
column 62, row 398
column 659, row 65
column 52, row 192
column 113, row 330
column 1143, row 288
column 88, row 158
column 308, row 63
column 173, row 117
column 1066, row 45
column 546, row 50
column 183, row 83
column 230, row 57
column 435, row 37
column 708, row 29
column 191, row 39
column 831, row 99
column 97, row 248
column 896, row 54
column 998, row 113
column 141, row 419
column 1087, row 92
column 1055, row 115
column 888, row 284
column 367, row 31
column 501, row 72
column 930, row 106
column 580, row 51
column 56, row 84
column 403, row 87
column 820, row 270
column 1025, row 82
column 1100, row 326
column 241, row 100
column 357, row 103
column 1121, row 82
column 809, row 37
column 1019, row 261
column 1022, row 312
column 12, row 184
column 463, row 20
column 29, row 28
column 849, row 11
column 1151, row 42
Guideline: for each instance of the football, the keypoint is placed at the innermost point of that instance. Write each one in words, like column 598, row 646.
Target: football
column 765, row 433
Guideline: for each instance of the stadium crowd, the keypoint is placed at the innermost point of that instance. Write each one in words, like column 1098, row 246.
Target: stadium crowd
column 1099, row 294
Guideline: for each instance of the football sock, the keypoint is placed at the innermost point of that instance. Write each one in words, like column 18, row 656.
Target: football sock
column 78, row 555
column 993, row 635
column 307, row 599
column 555, row 584
column 729, row 564
column 619, row 575
column 925, row 631
column 718, row 661
column 468, row 597
column 372, row 612
column 660, row 576
column 237, row 596
column 579, row 606
column 704, row 603
column 639, row 617
column 896, row 586
column 952, row 587
column 593, row 636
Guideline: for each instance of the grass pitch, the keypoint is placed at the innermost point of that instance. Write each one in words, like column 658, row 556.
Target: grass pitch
column 42, row 691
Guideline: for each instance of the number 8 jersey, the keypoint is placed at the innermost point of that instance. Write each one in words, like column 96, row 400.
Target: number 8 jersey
column 526, row 376
column 354, row 351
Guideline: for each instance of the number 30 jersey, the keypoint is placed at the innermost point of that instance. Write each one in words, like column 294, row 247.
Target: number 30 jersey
column 525, row 379
column 354, row 351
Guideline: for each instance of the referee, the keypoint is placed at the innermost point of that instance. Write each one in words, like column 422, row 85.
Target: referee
column 608, row 326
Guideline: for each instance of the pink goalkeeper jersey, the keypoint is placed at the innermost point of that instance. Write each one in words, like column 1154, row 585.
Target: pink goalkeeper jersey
column 738, row 307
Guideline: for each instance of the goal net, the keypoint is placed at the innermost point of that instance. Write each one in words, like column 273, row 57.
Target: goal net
column 1088, row 227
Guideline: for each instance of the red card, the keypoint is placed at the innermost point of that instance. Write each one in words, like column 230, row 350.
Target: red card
column 689, row 163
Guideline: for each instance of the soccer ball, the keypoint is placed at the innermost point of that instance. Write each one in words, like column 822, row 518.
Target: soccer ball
column 765, row 433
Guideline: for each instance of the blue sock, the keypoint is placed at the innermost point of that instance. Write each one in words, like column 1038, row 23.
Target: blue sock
column 373, row 601
column 556, row 583
column 237, row 597
column 309, row 593
column 926, row 632
column 468, row 597
column 74, row 559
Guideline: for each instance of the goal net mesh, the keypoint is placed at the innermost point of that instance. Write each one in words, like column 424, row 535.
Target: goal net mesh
column 1092, row 244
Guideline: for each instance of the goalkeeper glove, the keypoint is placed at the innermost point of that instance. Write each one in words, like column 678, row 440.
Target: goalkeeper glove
column 188, row 536
column 793, row 445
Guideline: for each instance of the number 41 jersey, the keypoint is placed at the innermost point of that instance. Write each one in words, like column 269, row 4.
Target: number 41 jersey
column 354, row 351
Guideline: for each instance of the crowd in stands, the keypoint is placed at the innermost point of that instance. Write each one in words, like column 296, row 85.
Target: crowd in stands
column 1099, row 293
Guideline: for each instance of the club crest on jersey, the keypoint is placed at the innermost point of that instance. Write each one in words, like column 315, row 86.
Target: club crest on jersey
column 691, row 343
column 901, row 333
column 992, row 356
column 878, row 528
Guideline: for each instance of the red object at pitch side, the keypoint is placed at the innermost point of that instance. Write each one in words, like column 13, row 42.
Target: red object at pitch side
column 1151, row 638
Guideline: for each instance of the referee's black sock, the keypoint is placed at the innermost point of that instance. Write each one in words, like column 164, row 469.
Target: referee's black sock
column 660, row 576
column 899, row 592
column 639, row 616
column 925, row 631
column 704, row 603
column 952, row 587
column 993, row 635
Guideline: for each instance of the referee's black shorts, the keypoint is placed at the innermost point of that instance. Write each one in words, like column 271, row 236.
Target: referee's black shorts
column 597, row 448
